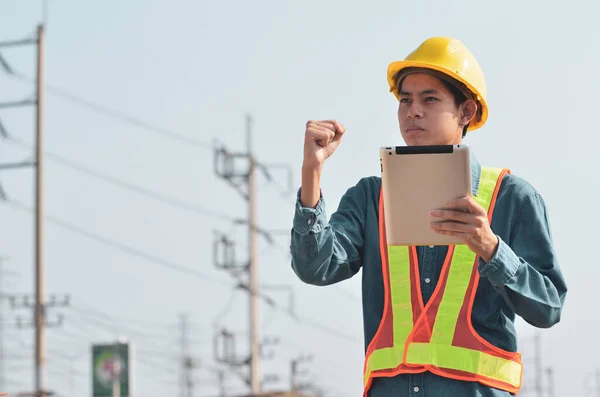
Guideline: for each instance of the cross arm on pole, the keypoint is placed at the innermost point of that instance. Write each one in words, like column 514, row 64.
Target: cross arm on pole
column 22, row 164
column 17, row 43
column 16, row 104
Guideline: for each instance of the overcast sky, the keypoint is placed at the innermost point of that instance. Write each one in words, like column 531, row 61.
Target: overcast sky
column 195, row 68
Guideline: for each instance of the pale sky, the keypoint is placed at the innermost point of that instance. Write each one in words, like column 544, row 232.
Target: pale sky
column 196, row 68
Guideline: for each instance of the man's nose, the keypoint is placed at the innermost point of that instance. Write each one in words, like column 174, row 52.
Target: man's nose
column 415, row 111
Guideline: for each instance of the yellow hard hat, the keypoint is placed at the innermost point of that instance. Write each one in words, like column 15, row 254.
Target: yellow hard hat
column 452, row 58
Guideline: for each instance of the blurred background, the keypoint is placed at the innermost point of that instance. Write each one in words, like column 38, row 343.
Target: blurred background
column 149, row 111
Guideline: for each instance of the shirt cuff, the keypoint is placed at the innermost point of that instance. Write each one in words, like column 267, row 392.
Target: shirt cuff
column 308, row 220
column 502, row 267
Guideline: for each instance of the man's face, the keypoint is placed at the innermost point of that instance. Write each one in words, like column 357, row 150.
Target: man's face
column 428, row 114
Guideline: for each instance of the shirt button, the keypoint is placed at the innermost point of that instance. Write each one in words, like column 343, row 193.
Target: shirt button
column 310, row 221
column 416, row 389
column 427, row 280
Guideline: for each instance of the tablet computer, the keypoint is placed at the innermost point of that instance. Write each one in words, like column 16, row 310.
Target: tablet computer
column 416, row 180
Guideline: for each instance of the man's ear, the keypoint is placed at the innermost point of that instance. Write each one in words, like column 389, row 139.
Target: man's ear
column 468, row 111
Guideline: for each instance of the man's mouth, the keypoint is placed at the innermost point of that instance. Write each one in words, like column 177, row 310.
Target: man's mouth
column 414, row 130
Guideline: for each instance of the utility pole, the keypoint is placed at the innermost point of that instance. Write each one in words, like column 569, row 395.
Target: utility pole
column 2, row 295
column 25, row 301
column 39, row 306
column 221, row 381
column 253, row 271
column 225, row 353
column 40, row 317
column 116, row 370
column 550, row 376
column 296, row 386
column 183, row 376
column 187, row 361
column 244, row 182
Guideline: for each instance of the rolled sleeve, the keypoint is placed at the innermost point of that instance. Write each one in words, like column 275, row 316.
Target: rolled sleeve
column 502, row 267
column 308, row 220
column 326, row 251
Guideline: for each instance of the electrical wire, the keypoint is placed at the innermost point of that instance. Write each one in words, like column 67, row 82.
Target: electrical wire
column 112, row 327
column 112, row 317
column 120, row 246
column 349, row 294
column 226, row 309
column 118, row 115
column 172, row 201
column 184, row 270
column 148, row 193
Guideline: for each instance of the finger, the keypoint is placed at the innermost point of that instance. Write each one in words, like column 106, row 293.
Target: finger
column 328, row 129
column 464, row 237
column 321, row 135
column 467, row 204
column 450, row 226
column 321, row 132
column 456, row 215
column 330, row 124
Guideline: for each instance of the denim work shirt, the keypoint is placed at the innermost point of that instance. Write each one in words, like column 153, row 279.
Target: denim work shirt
column 522, row 278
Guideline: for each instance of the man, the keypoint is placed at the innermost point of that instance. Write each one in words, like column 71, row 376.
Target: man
column 459, row 339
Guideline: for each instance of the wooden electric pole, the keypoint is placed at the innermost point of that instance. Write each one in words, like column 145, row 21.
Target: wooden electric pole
column 38, row 309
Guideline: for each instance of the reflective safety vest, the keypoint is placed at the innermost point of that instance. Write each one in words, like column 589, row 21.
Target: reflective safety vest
column 438, row 337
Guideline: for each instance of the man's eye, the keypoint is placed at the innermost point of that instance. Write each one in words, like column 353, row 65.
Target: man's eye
column 430, row 99
column 404, row 100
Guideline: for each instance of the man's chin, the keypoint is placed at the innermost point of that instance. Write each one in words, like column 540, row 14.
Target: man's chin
column 417, row 141
column 423, row 140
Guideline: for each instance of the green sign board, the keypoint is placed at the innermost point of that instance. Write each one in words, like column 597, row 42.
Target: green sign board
column 103, row 360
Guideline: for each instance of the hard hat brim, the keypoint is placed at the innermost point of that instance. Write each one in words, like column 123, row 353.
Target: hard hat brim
column 395, row 67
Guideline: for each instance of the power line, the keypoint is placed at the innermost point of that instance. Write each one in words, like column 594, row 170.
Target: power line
column 69, row 336
column 117, row 115
column 298, row 346
column 323, row 328
column 110, row 317
column 182, row 269
column 349, row 294
column 122, row 247
column 165, row 199
column 175, row 202
column 172, row 201
column 226, row 309
column 112, row 326
column 169, row 200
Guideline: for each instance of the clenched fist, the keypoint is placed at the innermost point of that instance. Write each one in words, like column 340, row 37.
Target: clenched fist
column 320, row 141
